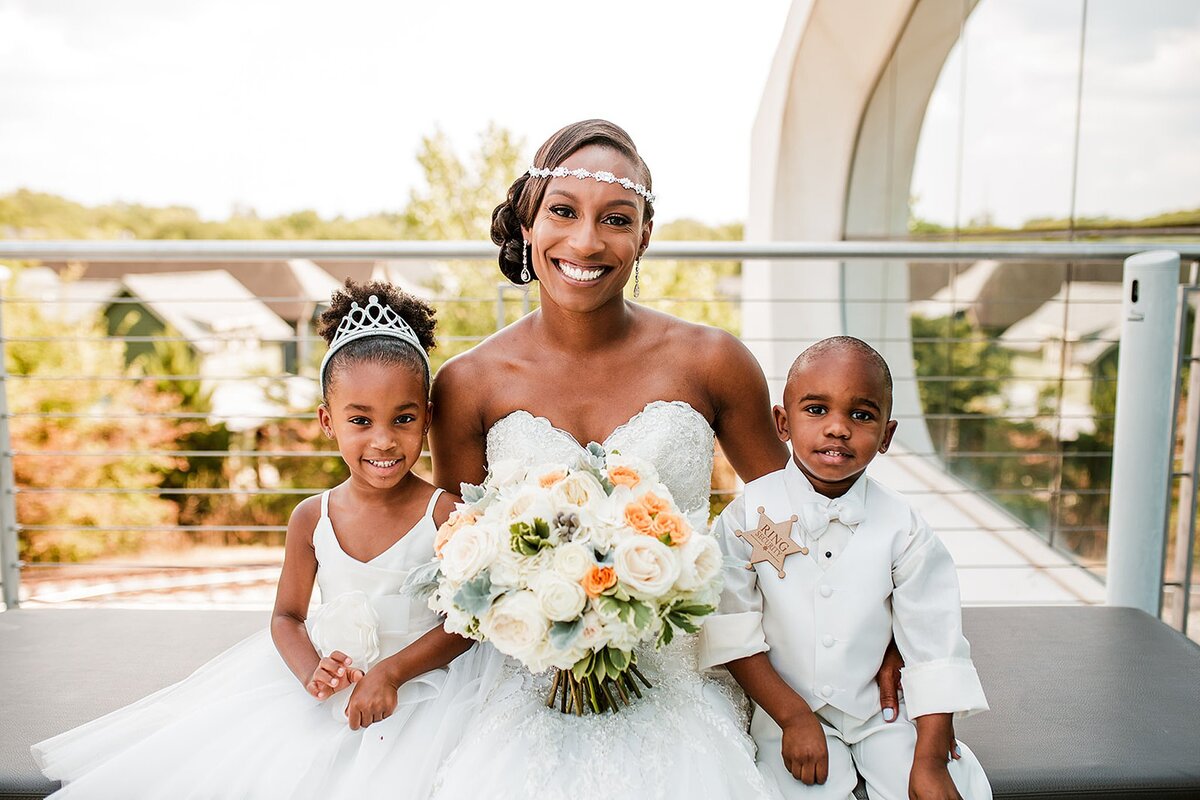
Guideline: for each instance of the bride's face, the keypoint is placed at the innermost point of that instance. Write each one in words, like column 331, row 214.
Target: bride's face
column 587, row 233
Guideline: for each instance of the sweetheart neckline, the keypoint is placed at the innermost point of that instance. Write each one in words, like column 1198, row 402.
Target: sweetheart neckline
column 571, row 437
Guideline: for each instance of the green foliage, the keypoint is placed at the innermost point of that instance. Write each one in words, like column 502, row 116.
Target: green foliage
column 529, row 540
column 103, row 439
column 699, row 291
column 627, row 609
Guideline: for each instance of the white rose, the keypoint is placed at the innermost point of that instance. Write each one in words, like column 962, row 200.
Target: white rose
column 506, row 472
column 579, row 490
column 561, row 600
column 515, row 624
column 593, row 635
column 646, row 566
column 506, row 569
column 702, row 560
column 573, row 561
column 471, row 549
column 347, row 623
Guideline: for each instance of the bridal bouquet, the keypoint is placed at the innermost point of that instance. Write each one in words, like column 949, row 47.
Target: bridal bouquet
column 571, row 567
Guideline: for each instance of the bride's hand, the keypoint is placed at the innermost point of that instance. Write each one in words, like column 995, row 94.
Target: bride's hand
column 888, row 679
column 373, row 699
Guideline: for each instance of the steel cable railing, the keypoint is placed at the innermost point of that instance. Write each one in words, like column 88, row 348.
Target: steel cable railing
column 1014, row 436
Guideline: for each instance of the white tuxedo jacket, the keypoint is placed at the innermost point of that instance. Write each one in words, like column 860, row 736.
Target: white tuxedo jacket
column 827, row 631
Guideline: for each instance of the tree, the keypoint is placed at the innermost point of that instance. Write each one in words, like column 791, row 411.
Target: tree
column 103, row 439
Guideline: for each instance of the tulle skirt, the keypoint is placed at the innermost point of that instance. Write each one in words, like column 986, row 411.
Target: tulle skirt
column 686, row 737
column 242, row 726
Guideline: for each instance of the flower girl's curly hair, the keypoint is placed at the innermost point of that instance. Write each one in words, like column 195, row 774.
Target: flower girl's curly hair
column 526, row 192
column 379, row 349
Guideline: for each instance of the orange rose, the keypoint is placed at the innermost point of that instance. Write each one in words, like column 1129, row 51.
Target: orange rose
column 654, row 504
column 672, row 527
column 638, row 518
column 551, row 478
column 624, row 476
column 598, row 579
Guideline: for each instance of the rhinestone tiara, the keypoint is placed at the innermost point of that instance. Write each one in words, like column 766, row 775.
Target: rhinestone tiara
column 373, row 319
column 603, row 177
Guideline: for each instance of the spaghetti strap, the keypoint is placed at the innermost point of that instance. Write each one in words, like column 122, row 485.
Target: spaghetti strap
column 325, row 504
column 433, row 502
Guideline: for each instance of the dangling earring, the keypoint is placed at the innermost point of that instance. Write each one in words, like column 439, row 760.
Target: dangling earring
column 525, row 262
column 637, row 277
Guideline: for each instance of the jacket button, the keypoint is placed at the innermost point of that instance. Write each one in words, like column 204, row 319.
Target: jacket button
column 826, row 591
column 827, row 640
column 827, row 691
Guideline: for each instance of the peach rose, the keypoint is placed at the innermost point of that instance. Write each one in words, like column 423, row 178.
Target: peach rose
column 458, row 519
column 638, row 518
column 654, row 504
column 598, row 580
column 551, row 478
column 624, row 476
column 672, row 527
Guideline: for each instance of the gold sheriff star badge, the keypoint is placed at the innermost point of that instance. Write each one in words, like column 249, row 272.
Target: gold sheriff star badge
column 771, row 541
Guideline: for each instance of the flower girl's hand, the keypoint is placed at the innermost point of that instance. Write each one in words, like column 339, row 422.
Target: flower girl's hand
column 333, row 673
column 373, row 699
column 805, row 753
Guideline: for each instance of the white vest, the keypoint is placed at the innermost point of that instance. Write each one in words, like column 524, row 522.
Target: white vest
column 828, row 630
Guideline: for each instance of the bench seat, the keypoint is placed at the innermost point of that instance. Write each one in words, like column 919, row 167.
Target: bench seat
column 1088, row 703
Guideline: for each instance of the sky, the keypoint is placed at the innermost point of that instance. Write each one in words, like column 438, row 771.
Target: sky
column 281, row 106
column 287, row 105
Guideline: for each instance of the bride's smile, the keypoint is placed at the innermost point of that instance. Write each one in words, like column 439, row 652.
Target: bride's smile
column 587, row 233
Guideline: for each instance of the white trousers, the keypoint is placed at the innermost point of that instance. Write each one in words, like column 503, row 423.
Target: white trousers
column 882, row 752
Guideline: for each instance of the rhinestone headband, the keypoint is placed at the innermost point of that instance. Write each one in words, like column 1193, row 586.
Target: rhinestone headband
column 373, row 319
column 603, row 177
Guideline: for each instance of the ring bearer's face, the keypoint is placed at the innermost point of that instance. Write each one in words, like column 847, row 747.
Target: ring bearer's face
column 587, row 233
column 835, row 415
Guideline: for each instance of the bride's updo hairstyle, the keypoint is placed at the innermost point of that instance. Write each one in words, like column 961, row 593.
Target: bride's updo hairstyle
column 526, row 193
column 387, row 350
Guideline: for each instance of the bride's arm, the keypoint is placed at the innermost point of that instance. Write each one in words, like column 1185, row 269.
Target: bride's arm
column 456, row 435
column 742, row 408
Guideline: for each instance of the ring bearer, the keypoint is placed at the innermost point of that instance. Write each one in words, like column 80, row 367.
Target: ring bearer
column 824, row 566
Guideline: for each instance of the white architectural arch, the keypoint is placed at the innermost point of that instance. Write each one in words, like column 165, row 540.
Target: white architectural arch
column 832, row 154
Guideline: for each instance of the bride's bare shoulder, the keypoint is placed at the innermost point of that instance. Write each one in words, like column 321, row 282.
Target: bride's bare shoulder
column 694, row 341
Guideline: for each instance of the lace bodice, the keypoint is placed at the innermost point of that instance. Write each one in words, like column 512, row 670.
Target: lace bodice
column 672, row 436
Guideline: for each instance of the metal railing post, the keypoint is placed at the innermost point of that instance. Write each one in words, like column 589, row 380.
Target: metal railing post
column 10, row 561
column 1142, row 446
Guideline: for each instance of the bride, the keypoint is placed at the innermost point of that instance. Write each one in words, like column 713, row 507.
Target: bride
column 589, row 366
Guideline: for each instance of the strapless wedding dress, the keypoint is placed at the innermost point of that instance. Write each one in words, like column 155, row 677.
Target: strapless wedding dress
column 686, row 737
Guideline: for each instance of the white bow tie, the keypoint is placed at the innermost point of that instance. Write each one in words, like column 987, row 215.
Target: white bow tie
column 815, row 517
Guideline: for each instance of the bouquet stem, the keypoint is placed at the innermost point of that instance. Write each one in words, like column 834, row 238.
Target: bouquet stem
column 592, row 692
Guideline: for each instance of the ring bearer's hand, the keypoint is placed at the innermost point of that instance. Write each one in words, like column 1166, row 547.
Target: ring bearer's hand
column 333, row 673
column 373, row 699
column 805, row 752
column 929, row 780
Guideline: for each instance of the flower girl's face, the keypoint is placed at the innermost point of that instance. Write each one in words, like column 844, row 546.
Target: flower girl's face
column 588, row 233
column 378, row 413
column 835, row 415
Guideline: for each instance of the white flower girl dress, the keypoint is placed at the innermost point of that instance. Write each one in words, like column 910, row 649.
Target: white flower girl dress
column 242, row 726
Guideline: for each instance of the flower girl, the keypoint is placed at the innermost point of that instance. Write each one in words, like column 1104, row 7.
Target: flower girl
column 351, row 700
